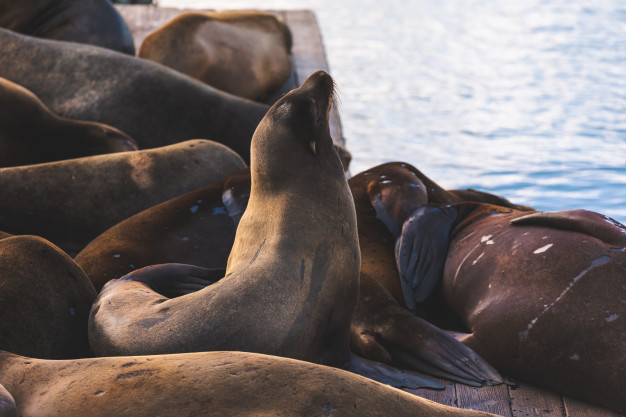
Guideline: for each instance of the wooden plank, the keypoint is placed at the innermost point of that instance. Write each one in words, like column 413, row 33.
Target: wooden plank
column 494, row 399
column 447, row 396
column 527, row 400
column 579, row 408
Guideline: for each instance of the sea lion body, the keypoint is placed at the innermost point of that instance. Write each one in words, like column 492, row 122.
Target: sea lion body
column 200, row 384
column 544, row 302
column 246, row 53
column 30, row 133
column 196, row 228
column 71, row 202
column 45, row 300
column 94, row 22
column 294, row 285
column 153, row 104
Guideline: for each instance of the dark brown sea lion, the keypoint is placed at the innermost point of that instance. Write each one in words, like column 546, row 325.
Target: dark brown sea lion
column 200, row 384
column 45, row 300
column 246, row 53
column 95, row 22
column 30, row 133
column 71, row 202
column 153, row 104
column 196, row 228
column 294, row 286
column 541, row 294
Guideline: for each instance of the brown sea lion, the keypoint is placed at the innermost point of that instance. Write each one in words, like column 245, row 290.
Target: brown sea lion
column 153, row 104
column 30, row 133
column 541, row 294
column 171, row 232
column 45, row 300
column 294, row 286
column 71, row 202
column 200, row 384
column 246, row 53
column 95, row 22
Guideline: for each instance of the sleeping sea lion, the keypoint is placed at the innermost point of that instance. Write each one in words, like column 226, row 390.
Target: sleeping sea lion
column 199, row 384
column 95, row 22
column 71, row 202
column 246, row 53
column 155, row 105
column 539, row 294
column 45, row 300
column 30, row 133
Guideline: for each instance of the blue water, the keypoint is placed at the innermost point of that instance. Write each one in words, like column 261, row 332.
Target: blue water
column 525, row 99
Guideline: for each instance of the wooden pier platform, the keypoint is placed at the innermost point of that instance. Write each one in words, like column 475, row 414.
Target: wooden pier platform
column 521, row 400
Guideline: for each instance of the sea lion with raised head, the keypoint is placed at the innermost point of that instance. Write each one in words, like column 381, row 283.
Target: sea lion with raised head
column 45, row 300
column 155, row 105
column 199, row 384
column 294, row 286
column 30, row 133
column 71, row 202
column 173, row 232
column 246, row 53
column 95, row 22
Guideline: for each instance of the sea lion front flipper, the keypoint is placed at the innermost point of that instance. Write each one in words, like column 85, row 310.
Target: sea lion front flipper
column 389, row 375
column 7, row 404
column 587, row 222
column 173, row 280
column 421, row 251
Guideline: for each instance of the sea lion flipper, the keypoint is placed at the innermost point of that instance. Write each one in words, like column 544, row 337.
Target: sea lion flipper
column 587, row 222
column 7, row 404
column 402, row 338
column 427, row 348
column 173, row 280
column 421, row 251
column 389, row 375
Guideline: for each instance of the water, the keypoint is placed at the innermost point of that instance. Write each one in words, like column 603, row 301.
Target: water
column 525, row 99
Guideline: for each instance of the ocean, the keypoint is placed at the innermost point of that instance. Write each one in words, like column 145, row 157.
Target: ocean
column 524, row 99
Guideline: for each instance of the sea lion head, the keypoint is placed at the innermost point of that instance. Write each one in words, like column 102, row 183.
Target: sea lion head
column 294, row 135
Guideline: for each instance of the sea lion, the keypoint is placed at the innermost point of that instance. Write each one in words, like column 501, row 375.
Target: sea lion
column 30, row 133
column 153, row 104
column 200, row 384
column 246, row 53
column 196, row 228
column 170, row 232
column 71, row 202
column 294, row 286
column 541, row 294
column 95, row 22
column 45, row 300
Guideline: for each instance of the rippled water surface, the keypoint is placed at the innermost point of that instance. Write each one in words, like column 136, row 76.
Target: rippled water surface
column 526, row 99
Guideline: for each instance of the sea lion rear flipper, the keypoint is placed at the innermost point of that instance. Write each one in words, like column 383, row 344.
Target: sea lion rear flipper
column 7, row 404
column 400, row 337
column 173, row 280
column 389, row 375
column 421, row 251
column 587, row 222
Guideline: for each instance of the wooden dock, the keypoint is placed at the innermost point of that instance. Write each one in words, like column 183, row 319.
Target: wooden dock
column 521, row 400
